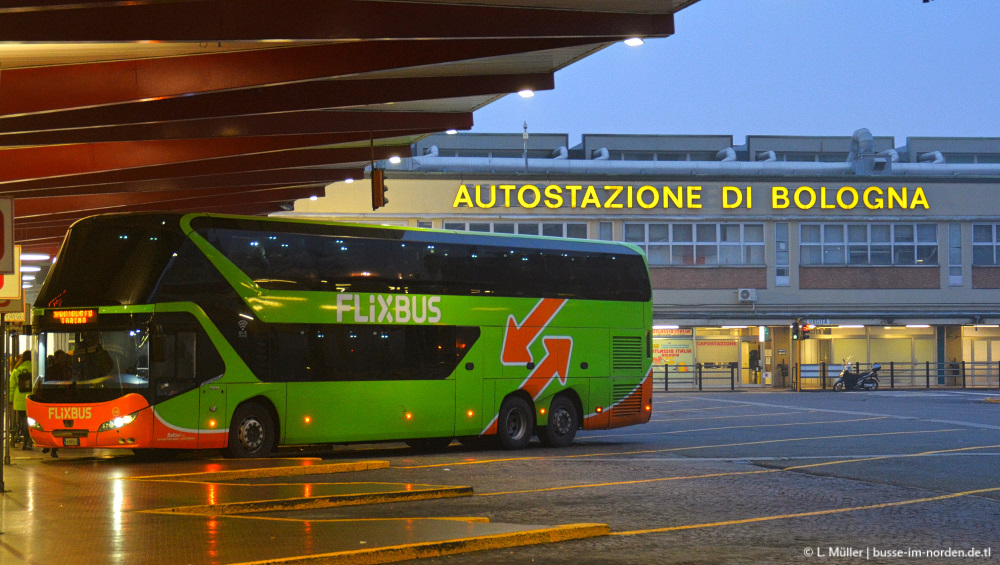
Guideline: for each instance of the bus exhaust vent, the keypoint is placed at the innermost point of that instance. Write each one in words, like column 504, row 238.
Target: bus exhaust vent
column 626, row 353
column 630, row 406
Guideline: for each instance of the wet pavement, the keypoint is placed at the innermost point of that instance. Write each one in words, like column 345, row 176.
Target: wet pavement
column 92, row 506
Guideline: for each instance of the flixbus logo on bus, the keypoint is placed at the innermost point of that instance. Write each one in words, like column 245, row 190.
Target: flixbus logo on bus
column 69, row 413
column 389, row 308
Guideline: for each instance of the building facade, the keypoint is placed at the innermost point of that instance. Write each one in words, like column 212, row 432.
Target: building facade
column 891, row 252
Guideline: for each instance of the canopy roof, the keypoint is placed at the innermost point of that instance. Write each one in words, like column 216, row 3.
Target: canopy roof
column 239, row 106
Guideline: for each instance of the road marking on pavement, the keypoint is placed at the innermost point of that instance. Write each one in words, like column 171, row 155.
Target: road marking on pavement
column 736, row 473
column 406, row 552
column 855, row 413
column 674, row 420
column 753, row 426
column 476, row 519
column 674, row 449
column 808, row 514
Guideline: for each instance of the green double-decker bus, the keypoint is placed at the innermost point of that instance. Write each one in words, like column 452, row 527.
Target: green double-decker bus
column 196, row 331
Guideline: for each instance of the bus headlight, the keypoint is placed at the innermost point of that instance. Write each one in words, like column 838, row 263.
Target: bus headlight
column 119, row 422
column 34, row 425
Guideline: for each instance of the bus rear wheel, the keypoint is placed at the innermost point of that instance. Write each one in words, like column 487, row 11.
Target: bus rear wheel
column 251, row 433
column 563, row 423
column 516, row 423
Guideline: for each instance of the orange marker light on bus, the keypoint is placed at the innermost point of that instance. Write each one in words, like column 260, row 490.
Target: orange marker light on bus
column 408, row 415
column 599, row 410
column 470, row 413
column 308, row 419
column 649, row 408
column 212, row 423
column 541, row 411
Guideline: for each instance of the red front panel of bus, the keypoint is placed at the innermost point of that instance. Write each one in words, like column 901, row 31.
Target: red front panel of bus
column 76, row 425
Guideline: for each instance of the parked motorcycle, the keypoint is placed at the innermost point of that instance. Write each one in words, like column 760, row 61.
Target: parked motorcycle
column 857, row 381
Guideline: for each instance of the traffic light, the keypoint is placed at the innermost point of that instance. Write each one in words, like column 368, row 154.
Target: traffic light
column 378, row 189
column 796, row 330
column 804, row 330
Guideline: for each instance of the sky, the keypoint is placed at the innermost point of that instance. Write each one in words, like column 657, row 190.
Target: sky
column 783, row 67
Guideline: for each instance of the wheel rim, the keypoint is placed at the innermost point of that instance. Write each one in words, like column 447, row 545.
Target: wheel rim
column 561, row 421
column 516, row 424
column 251, row 434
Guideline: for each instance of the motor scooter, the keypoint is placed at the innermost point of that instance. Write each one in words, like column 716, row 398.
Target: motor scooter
column 857, row 381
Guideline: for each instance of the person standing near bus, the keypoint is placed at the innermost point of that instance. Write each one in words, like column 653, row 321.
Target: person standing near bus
column 18, row 389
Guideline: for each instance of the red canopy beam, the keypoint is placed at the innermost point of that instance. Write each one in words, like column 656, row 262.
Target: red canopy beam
column 235, row 20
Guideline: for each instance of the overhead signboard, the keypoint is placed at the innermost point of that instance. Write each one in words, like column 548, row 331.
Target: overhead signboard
column 10, row 288
column 7, row 260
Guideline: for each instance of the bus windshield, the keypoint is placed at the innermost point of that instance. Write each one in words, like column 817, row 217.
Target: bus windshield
column 94, row 360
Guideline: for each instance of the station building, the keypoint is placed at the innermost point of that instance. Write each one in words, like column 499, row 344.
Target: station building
column 892, row 251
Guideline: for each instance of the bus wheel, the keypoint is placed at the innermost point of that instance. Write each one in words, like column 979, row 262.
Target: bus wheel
column 563, row 423
column 429, row 444
column 516, row 423
column 251, row 433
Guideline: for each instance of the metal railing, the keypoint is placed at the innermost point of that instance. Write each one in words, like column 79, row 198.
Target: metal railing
column 926, row 375
column 702, row 377
column 821, row 376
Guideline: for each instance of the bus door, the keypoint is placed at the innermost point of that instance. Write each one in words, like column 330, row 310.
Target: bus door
column 177, row 400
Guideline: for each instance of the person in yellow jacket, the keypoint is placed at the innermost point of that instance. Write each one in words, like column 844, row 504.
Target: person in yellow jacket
column 17, row 391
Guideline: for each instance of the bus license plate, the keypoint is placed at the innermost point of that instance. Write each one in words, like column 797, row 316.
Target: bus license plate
column 71, row 442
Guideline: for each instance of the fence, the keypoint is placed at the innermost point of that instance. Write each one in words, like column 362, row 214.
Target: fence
column 961, row 374
column 704, row 376
column 821, row 376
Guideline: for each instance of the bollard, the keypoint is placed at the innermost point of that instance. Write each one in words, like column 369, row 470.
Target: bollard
column 927, row 372
column 666, row 378
column 892, row 375
column 699, row 375
column 732, row 376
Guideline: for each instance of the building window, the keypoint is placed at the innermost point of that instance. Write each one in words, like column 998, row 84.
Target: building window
column 605, row 231
column 985, row 244
column 782, row 270
column 868, row 244
column 698, row 244
column 954, row 254
column 578, row 230
column 425, row 224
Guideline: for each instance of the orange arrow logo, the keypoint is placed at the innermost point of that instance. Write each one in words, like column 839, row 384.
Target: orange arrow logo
column 555, row 363
column 519, row 338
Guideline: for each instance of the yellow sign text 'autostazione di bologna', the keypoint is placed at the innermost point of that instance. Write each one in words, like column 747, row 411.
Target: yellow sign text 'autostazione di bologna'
column 686, row 196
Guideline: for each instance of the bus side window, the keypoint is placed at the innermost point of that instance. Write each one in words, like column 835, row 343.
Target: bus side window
column 173, row 363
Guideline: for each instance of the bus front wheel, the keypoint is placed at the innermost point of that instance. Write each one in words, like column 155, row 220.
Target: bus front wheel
column 251, row 433
column 515, row 423
column 563, row 423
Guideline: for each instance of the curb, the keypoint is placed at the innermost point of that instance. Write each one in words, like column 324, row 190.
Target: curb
column 263, row 472
column 406, row 552
column 305, row 503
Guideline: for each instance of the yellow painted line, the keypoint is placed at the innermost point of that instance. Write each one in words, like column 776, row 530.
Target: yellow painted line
column 808, row 514
column 795, row 413
column 406, row 552
column 902, row 456
column 750, row 426
column 310, row 502
column 633, row 482
column 471, row 519
column 738, row 473
column 672, row 449
column 989, row 400
column 263, row 472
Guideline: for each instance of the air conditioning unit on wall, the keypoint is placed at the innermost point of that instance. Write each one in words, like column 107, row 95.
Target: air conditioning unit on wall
column 747, row 294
